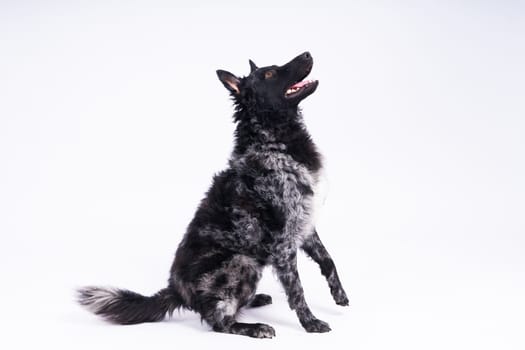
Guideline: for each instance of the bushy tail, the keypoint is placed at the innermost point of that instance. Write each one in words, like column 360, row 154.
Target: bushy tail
column 126, row 307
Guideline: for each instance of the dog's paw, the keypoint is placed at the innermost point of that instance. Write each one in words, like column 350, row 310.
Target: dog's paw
column 316, row 326
column 260, row 300
column 339, row 295
column 262, row 331
column 254, row 330
column 341, row 298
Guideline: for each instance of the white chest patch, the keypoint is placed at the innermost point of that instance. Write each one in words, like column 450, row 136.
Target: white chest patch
column 320, row 193
column 316, row 202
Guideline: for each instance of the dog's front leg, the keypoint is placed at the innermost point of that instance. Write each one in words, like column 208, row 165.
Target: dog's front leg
column 315, row 249
column 286, row 268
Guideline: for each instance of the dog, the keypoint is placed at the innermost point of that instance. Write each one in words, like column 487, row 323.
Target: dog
column 258, row 212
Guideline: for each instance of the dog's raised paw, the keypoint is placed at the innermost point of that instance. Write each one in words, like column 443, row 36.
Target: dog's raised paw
column 341, row 299
column 339, row 296
column 316, row 326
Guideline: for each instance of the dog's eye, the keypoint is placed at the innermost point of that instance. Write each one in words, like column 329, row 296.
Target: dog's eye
column 269, row 74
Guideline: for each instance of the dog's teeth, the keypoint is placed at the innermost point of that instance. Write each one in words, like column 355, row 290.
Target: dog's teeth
column 292, row 90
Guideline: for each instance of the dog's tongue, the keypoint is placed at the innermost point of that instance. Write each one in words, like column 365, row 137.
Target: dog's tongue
column 299, row 84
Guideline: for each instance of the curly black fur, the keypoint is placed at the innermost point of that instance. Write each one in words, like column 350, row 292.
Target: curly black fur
column 258, row 212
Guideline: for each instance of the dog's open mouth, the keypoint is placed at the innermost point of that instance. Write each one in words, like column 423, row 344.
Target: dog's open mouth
column 300, row 88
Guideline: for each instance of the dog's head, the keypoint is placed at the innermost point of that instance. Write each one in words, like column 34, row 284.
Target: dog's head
column 273, row 87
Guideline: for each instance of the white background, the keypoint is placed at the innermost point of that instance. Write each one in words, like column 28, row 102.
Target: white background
column 112, row 122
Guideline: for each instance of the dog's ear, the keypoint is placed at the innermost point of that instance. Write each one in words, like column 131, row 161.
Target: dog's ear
column 253, row 66
column 230, row 81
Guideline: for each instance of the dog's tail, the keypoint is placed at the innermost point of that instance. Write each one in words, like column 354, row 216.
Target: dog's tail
column 126, row 307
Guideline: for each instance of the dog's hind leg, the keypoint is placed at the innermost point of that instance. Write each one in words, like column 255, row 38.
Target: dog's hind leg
column 223, row 292
column 254, row 330
column 315, row 249
column 220, row 315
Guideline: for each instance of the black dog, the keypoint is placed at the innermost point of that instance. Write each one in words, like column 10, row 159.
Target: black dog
column 258, row 212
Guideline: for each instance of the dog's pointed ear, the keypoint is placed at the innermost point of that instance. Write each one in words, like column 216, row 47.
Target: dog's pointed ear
column 230, row 81
column 253, row 66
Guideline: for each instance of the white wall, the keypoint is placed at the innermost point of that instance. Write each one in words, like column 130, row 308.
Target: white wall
column 420, row 113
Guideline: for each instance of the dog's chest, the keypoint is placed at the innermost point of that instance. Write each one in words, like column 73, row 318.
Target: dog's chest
column 298, row 192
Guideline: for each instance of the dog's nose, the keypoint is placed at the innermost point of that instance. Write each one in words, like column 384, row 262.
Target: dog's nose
column 307, row 55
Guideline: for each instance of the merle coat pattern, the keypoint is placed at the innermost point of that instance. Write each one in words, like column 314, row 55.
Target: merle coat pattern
column 258, row 212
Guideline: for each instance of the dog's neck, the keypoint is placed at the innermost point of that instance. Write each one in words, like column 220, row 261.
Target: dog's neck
column 282, row 131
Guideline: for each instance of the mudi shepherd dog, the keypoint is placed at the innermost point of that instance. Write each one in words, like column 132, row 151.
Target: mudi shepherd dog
column 258, row 212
